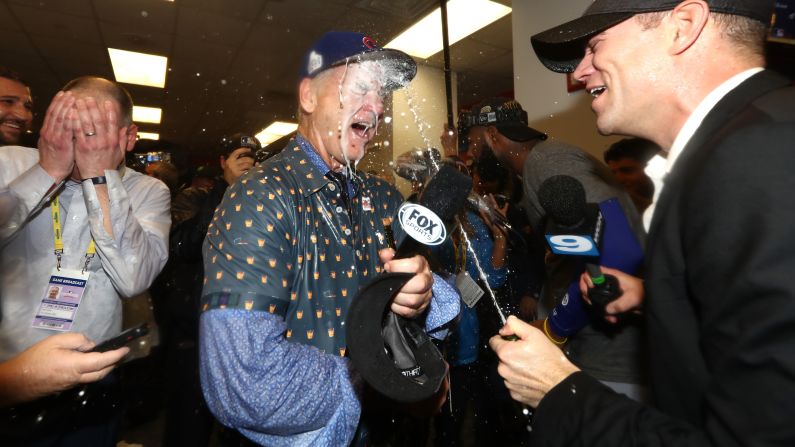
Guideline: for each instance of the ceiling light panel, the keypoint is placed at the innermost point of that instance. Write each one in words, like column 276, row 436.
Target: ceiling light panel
column 464, row 17
column 147, row 114
column 276, row 130
column 138, row 68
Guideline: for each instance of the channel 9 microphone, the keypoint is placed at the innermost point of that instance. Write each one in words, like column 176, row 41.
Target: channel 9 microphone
column 590, row 234
column 406, row 366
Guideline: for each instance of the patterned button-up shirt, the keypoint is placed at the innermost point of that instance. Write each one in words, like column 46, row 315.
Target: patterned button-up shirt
column 283, row 245
column 284, row 241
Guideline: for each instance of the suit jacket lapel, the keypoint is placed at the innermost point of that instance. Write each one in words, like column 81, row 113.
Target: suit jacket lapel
column 730, row 105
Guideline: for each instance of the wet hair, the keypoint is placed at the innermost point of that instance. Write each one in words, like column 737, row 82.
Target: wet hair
column 741, row 31
column 12, row 75
column 637, row 149
column 112, row 89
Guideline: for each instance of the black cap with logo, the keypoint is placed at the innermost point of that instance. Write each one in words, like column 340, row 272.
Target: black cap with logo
column 238, row 140
column 562, row 48
column 506, row 115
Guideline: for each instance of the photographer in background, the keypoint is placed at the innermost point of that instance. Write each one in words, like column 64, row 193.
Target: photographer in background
column 177, row 291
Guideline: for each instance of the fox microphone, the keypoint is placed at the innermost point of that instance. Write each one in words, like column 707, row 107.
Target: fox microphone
column 394, row 354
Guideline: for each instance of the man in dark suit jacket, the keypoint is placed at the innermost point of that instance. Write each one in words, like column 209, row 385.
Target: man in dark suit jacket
column 720, row 305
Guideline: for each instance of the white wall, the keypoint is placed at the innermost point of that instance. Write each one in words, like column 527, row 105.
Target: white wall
column 426, row 95
column 550, row 108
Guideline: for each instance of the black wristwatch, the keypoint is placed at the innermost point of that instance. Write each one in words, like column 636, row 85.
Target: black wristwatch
column 98, row 180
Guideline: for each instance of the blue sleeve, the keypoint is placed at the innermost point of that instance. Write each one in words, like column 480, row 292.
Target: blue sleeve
column 274, row 392
column 569, row 316
column 445, row 306
column 483, row 246
column 620, row 250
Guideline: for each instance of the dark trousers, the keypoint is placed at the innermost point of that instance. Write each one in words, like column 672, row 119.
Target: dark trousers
column 188, row 420
column 85, row 416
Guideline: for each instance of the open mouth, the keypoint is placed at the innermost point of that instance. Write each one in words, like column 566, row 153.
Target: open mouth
column 361, row 128
column 12, row 124
column 596, row 91
column 363, row 123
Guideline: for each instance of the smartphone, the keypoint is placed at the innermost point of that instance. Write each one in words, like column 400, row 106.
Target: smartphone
column 122, row 339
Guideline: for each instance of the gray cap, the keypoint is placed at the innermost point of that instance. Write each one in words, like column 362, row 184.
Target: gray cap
column 561, row 48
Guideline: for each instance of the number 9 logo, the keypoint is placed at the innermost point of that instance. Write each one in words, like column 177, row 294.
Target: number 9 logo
column 570, row 244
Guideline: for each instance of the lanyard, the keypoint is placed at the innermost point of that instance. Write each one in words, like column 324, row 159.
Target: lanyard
column 58, row 236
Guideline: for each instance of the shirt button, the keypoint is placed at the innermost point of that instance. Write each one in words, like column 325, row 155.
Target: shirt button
column 331, row 186
column 358, row 253
column 339, row 209
column 347, row 231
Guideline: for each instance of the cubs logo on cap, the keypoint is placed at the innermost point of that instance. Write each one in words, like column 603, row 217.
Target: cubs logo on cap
column 340, row 47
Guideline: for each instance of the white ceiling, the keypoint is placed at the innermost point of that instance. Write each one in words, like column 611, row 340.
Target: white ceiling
column 233, row 64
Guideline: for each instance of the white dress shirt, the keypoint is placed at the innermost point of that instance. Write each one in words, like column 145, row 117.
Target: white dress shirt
column 655, row 169
column 125, row 264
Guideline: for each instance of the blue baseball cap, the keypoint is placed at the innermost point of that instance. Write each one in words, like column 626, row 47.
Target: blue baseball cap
column 342, row 47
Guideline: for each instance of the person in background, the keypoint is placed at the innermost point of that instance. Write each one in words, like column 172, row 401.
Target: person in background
column 613, row 355
column 719, row 298
column 177, row 292
column 235, row 158
column 204, row 177
column 627, row 159
column 166, row 173
column 469, row 371
column 16, row 107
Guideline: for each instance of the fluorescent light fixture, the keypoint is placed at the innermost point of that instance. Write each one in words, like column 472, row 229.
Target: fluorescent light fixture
column 148, row 136
column 147, row 114
column 276, row 130
column 464, row 17
column 138, row 68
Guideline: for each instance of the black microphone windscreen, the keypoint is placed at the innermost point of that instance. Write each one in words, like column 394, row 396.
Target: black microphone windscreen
column 446, row 192
column 563, row 199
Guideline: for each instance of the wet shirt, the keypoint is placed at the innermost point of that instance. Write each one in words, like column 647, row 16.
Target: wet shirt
column 283, row 241
column 284, row 257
